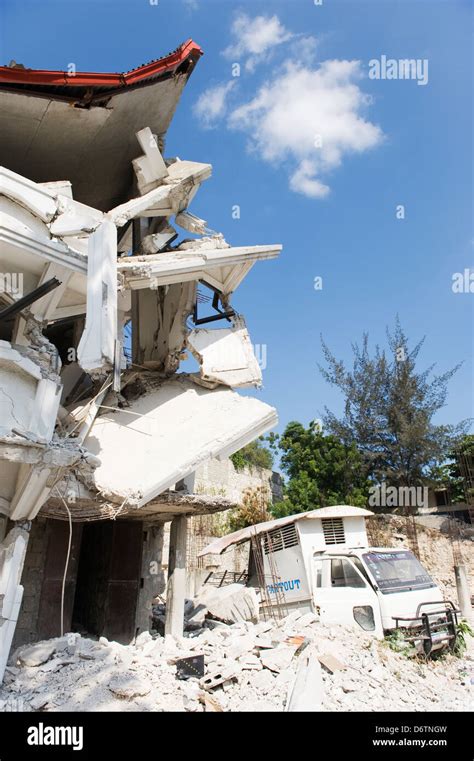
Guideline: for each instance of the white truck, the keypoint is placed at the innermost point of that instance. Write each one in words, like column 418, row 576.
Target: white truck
column 320, row 561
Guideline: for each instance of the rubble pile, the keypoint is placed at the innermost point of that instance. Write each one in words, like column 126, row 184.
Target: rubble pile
column 293, row 664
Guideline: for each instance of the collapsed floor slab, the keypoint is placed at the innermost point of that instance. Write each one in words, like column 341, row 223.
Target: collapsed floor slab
column 166, row 432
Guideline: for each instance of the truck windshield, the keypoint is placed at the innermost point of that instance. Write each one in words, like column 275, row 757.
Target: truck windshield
column 397, row 571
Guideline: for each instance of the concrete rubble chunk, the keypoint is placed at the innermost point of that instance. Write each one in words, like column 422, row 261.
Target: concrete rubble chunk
column 264, row 641
column 277, row 659
column 38, row 703
column 219, row 676
column 306, row 693
column 127, row 685
column 35, row 655
column 330, row 663
column 263, row 682
column 237, row 646
column 232, row 603
column 250, row 662
column 226, row 355
column 210, row 703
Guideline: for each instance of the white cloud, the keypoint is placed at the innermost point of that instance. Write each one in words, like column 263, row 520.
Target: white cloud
column 303, row 180
column 212, row 104
column 255, row 37
column 191, row 5
column 309, row 118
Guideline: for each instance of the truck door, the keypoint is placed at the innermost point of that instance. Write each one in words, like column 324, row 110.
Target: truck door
column 343, row 596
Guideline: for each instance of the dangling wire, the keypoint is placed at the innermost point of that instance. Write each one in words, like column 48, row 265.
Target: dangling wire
column 67, row 559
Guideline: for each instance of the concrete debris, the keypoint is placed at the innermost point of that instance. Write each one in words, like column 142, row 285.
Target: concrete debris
column 277, row 659
column 207, row 242
column 226, row 355
column 210, row 703
column 35, row 655
column 150, row 169
column 330, row 663
column 231, row 603
column 209, row 423
column 191, row 223
column 307, row 691
column 126, row 685
column 115, row 677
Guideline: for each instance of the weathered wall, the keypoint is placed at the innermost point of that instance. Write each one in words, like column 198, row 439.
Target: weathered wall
column 220, row 478
column 32, row 581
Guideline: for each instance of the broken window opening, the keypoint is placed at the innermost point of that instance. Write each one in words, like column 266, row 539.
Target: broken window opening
column 222, row 314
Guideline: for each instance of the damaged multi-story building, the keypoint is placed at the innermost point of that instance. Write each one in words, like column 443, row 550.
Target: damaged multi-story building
column 107, row 283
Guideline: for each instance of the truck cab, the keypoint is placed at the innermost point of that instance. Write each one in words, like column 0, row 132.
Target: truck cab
column 377, row 587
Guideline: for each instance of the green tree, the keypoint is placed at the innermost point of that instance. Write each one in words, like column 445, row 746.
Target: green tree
column 254, row 454
column 389, row 406
column 451, row 475
column 321, row 470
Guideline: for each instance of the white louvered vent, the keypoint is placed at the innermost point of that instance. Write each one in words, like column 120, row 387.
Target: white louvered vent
column 280, row 538
column 333, row 530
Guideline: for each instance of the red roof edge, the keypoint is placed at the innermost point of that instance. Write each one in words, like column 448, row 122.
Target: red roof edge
column 159, row 66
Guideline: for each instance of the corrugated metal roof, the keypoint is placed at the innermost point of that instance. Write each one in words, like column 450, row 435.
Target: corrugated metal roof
column 335, row 511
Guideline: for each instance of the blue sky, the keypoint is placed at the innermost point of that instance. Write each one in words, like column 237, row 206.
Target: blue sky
column 391, row 142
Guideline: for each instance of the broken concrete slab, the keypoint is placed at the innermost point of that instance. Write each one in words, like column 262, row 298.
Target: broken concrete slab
column 307, row 691
column 166, row 432
column 278, row 658
column 169, row 198
column 150, row 169
column 231, row 603
column 226, row 355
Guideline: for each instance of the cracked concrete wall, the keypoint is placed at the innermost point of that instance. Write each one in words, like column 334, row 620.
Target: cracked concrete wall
column 32, row 582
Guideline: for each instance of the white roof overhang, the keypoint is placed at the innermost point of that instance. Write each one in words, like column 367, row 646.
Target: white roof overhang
column 223, row 268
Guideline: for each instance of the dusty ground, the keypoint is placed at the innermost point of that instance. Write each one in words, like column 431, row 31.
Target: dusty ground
column 86, row 675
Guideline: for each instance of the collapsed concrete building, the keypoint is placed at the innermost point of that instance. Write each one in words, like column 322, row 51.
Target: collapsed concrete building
column 100, row 303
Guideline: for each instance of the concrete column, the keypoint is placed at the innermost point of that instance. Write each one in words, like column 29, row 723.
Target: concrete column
column 464, row 596
column 12, row 558
column 153, row 581
column 176, row 589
